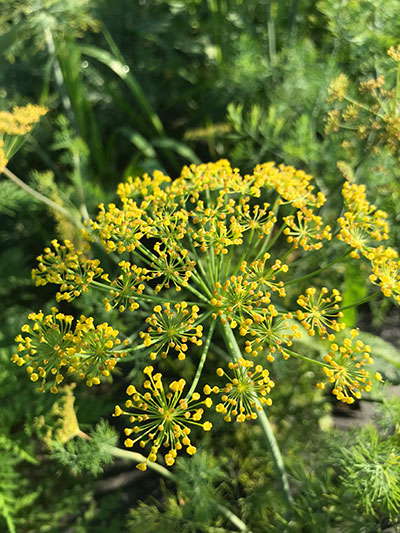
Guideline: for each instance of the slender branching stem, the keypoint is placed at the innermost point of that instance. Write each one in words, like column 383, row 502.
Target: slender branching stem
column 202, row 360
column 245, row 252
column 319, row 270
column 40, row 197
column 268, row 243
column 277, row 456
column 281, row 474
column 360, row 301
column 305, row 358
column 159, row 469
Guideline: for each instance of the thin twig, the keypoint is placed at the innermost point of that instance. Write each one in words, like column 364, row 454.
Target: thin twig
column 40, row 197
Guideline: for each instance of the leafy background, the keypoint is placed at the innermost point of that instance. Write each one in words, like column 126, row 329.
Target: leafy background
column 138, row 85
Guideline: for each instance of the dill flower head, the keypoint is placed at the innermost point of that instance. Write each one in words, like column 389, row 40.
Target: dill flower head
column 51, row 349
column 265, row 274
column 161, row 417
column 338, row 88
column 320, row 313
column 293, row 186
column 347, row 369
column 14, row 124
column 21, row 120
column 362, row 224
column 386, row 271
column 271, row 335
column 210, row 248
column 306, row 230
column 126, row 287
column 65, row 266
column 172, row 327
column 237, row 299
column 245, row 392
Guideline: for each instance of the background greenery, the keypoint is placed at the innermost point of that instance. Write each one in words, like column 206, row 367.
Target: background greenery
column 138, row 85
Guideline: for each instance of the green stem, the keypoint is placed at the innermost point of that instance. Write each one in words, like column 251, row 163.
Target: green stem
column 234, row 519
column 276, row 454
column 286, row 254
column 146, row 297
column 319, row 270
column 354, row 102
column 202, row 361
column 305, row 358
column 281, row 474
column 139, row 458
column 197, row 278
column 197, row 293
column 197, row 258
column 7, row 172
column 268, row 243
column 245, row 252
column 360, row 301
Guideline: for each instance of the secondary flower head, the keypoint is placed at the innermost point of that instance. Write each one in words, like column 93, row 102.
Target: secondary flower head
column 320, row 313
column 273, row 334
column 306, row 230
column 65, row 266
column 51, row 348
column 238, row 299
column 264, row 274
column 172, row 327
column 293, row 186
column 126, row 288
column 15, row 124
column 245, row 392
column 347, row 369
column 386, row 271
column 362, row 225
column 161, row 417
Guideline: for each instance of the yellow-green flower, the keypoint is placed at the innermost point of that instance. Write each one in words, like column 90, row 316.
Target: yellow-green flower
column 161, row 417
column 245, row 392
column 172, row 327
column 347, row 369
column 51, row 348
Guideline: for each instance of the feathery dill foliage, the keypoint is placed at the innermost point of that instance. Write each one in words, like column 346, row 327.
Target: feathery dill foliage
column 371, row 474
column 211, row 248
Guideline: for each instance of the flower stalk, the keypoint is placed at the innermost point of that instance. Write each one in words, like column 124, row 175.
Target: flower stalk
column 265, row 425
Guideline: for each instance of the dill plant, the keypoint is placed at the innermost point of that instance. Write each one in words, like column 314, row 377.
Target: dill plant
column 209, row 253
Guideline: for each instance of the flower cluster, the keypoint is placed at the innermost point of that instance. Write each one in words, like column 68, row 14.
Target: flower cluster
column 306, row 230
column 386, row 271
column 265, row 275
column 245, row 393
column 172, row 328
column 126, row 287
column 373, row 113
column 362, row 227
column 238, row 299
column 362, row 224
column 209, row 255
column 66, row 267
column 346, row 370
column 293, row 186
column 320, row 313
column 14, row 124
column 51, row 348
column 160, row 417
column 273, row 334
